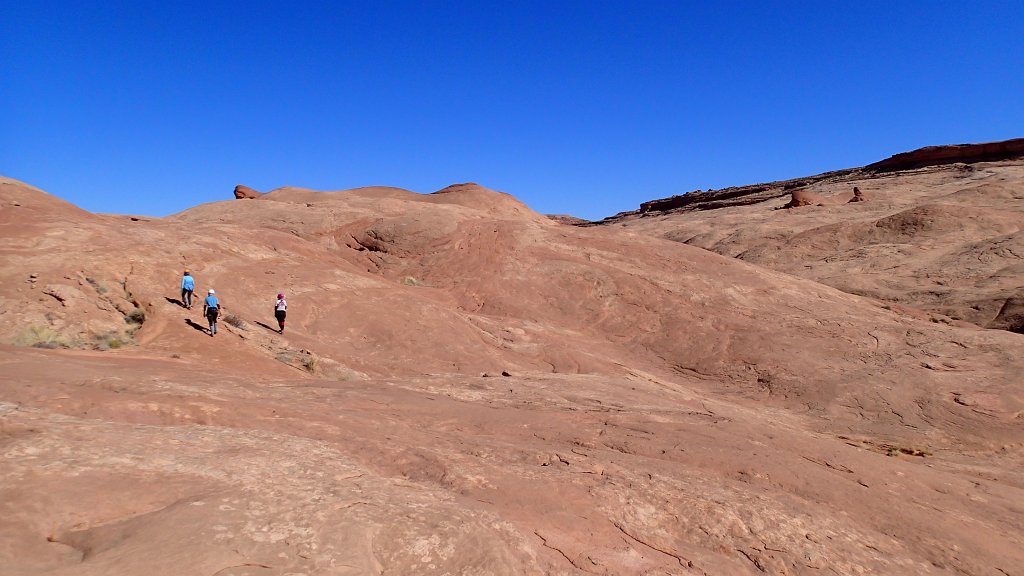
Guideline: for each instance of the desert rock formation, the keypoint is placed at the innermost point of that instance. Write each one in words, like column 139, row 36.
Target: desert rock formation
column 800, row 198
column 663, row 410
column 947, row 239
column 950, row 154
column 961, row 156
column 246, row 193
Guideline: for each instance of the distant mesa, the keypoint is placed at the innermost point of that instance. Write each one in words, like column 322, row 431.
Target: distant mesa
column 951, row 154
column 463, row 187
column 725, row 197
column 959, row 155
column 244, row 193
column 567, row 219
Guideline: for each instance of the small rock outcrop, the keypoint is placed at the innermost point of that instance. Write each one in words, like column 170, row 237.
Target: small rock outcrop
column 804, row 198
column 567, row 219
column 244, row 192
column 858, row 196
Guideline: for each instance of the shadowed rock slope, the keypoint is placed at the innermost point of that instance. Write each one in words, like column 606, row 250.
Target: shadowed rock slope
column 666, row 410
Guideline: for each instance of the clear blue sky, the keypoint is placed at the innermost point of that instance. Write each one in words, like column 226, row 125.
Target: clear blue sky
column 586, row 108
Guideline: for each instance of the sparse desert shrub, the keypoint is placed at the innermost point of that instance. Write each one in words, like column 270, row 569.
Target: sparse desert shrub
column 112, row 341
column 895, row 450
column 49, row 345
column 109, row 344
column 310, row 362
column 234, row 320
column 101, row 289
column 411, row 281
column 301, row 359
column 135, row 316
column 37, row 336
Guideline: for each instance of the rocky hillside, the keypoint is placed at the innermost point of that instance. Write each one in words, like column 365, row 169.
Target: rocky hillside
column 938, row 230
column 468, row 387
column 929, row 156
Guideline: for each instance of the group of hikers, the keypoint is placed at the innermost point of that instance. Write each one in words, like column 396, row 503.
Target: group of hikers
column 212, row 306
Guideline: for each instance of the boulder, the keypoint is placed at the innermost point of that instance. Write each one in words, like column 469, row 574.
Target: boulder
column 858, row 196
column 244, row 192
column 804, row 198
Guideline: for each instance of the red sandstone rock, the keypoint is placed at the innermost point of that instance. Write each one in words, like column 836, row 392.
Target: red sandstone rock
column 756, row 193
column 804, row 198
column 667, row 409
column 244, row 192
column 947, row 240
column 938, row 155
column 568, row 219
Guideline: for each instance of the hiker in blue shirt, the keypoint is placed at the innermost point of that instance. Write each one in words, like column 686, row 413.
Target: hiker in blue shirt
column 188, row 284
column 211, row 309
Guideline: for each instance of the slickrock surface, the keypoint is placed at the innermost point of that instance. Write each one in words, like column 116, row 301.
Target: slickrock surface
column 468, row 387
column 947, row 239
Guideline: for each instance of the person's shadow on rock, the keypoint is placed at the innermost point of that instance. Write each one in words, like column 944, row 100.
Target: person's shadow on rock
column 202, row 329
column 267, row 327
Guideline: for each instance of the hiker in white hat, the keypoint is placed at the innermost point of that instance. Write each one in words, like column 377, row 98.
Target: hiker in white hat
column 211, row 309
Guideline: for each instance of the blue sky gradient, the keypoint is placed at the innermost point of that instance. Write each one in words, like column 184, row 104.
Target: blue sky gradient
column 583, row 108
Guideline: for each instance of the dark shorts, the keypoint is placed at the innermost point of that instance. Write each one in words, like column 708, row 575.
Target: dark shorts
column 279, row 314
column 211, row 314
